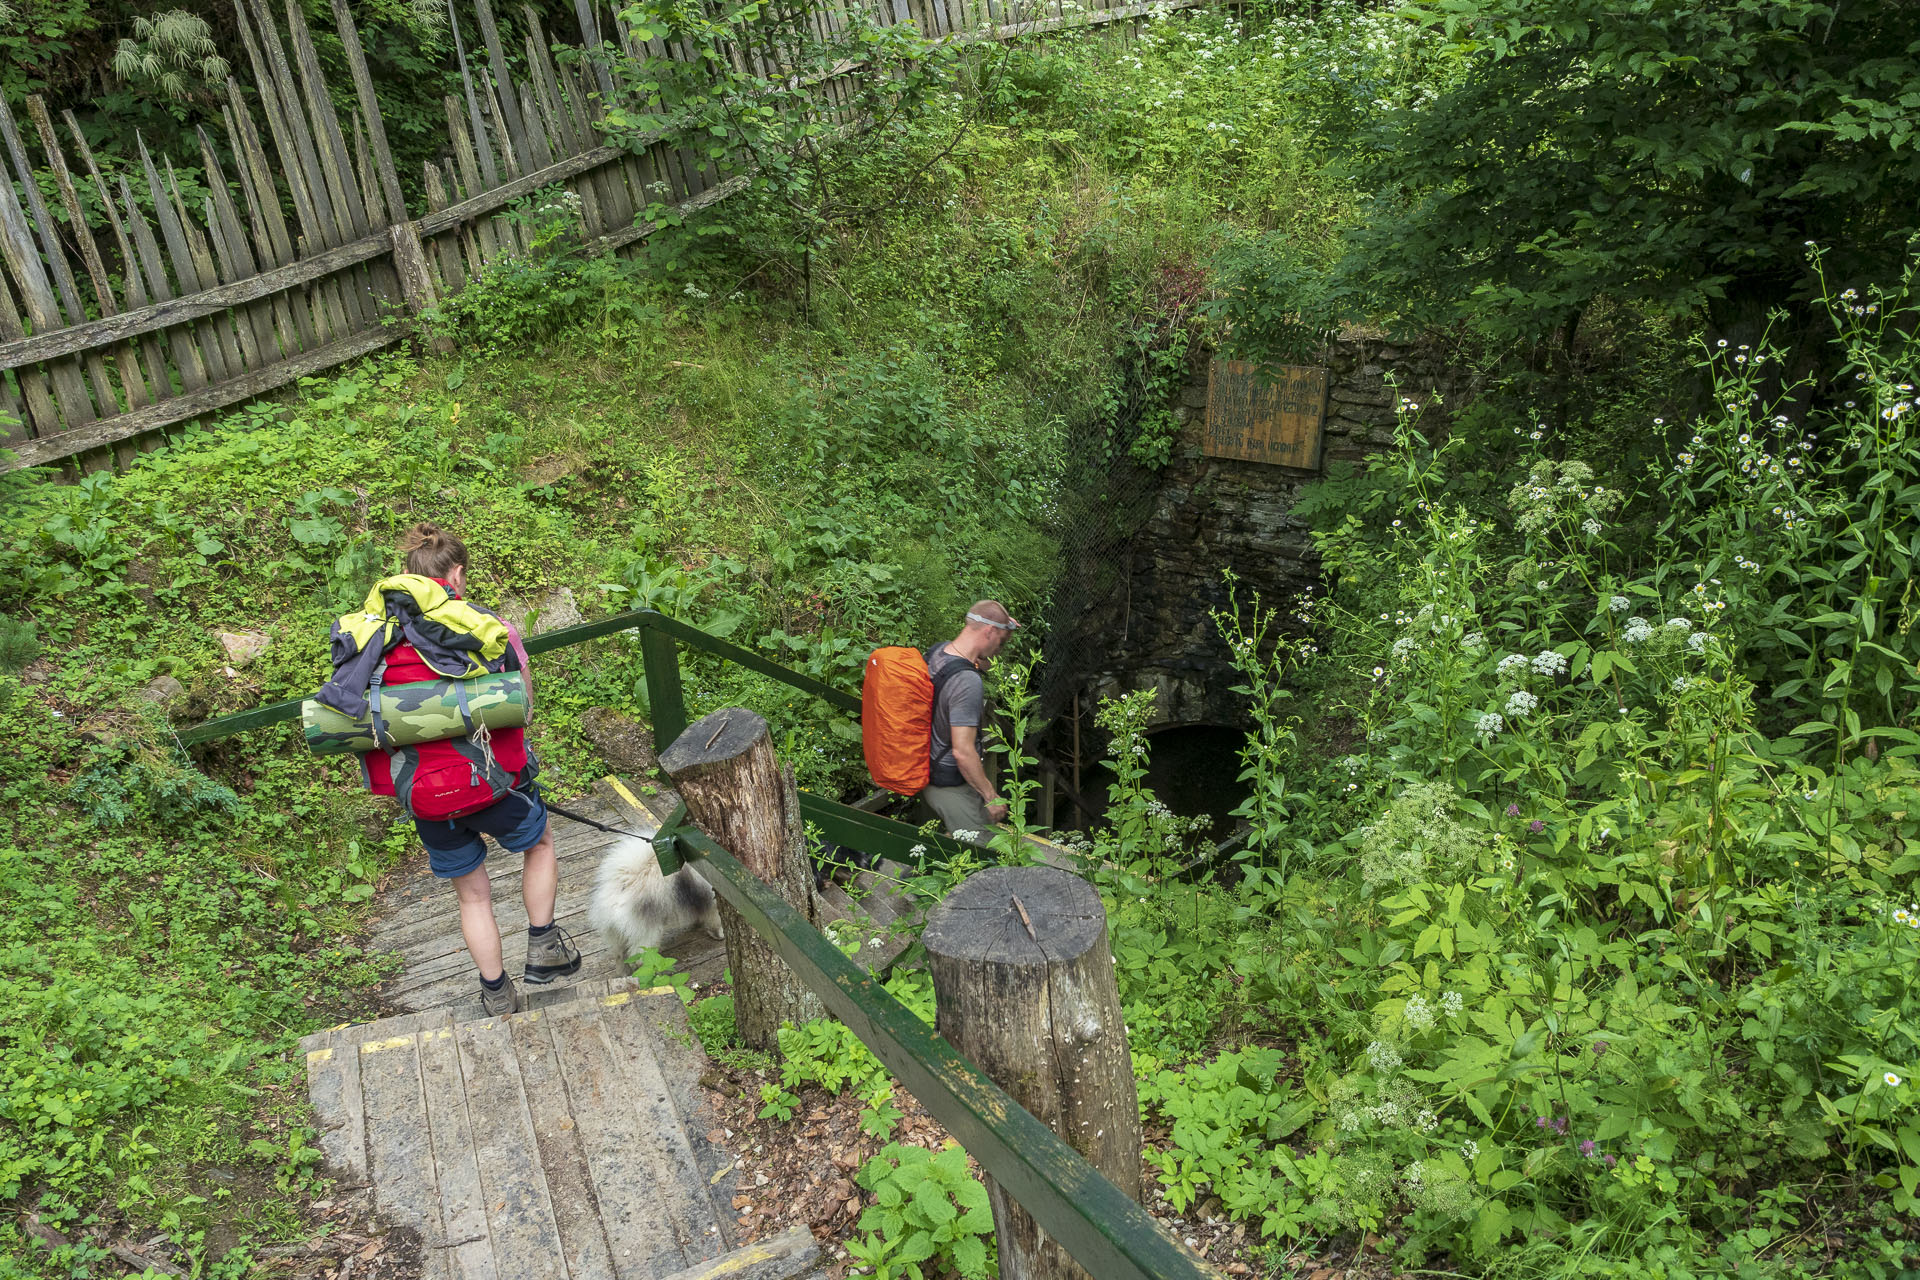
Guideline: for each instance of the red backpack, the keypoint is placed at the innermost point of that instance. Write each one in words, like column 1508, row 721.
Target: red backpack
column 896, row 717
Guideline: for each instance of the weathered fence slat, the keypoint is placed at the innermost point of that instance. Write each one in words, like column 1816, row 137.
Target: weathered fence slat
column 516, row 126
column 126, row 363
column 180, row 258
column 159, row 380
column 187, row 357
column 396, row 203
column 37, row 412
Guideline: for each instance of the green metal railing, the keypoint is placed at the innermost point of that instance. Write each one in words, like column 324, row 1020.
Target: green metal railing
column 1107, row 1233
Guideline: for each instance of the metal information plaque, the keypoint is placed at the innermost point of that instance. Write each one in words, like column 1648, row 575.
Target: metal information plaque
column 1258, row 419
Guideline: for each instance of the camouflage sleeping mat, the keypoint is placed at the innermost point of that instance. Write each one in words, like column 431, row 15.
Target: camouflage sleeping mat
column 423, row 711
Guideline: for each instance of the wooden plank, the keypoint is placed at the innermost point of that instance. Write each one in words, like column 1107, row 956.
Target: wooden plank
column 375, row 290
column 539, row 141
column 186, row 272
column 38, row 414
column 350, row 208
column 253, row 350
column 453, row 272
column 590, row 36
column 171, row 311
column 584, row 1246
column 56, row 259
column 126, row 363
column 22, row 255
column 290, row 309
column 300, row 158
column 333, row 1087
column 628, row 1156
column 395, row 201
column 305, row 307
column 400, row 1143
column 470, row 209
column 276, row 337
column 526, row 1240
column 369, row 185
column 456, row 1171
column 193, row 404
column 159, row 378
column 516, row 142
column 471, row 179
column 483, row 154
column 639, row 1055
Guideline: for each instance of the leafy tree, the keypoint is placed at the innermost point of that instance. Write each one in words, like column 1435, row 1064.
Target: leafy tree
column 822, row 112
column 1675, row 154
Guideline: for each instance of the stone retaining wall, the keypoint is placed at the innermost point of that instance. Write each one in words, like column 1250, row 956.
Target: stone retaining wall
column 1212, row 514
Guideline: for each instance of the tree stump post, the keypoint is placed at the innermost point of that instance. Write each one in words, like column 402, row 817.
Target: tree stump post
column 1024, row 985
column 735, row 788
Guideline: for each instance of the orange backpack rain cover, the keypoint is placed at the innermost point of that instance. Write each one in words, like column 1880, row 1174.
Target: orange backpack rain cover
column 896, row 719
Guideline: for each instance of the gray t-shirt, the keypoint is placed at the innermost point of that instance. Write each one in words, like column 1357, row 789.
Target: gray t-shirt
column 960, row 701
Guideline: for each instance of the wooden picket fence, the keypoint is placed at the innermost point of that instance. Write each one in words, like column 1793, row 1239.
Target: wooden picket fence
column 234, row 299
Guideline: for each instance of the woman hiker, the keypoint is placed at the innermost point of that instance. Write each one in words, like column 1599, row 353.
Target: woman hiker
column 459, row 789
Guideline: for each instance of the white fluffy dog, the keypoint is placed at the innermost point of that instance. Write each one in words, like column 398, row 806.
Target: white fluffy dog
column 637, row 908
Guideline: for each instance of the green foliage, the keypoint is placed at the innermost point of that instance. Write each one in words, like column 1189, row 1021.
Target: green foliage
column 1604, row 917
column 929, row 1215
column 743, row 94
column 1679, row 155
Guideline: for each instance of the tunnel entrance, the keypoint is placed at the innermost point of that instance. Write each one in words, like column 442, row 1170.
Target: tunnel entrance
column 1193, row 769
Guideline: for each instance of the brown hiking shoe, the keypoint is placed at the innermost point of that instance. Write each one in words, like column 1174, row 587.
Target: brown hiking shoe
column 505, row 1000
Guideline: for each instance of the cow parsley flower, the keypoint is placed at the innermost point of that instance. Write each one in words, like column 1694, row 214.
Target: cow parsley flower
column 1618, row 604
column 1384, row 1057
column 1638, row 631
column 1473, row 641
column 1418, row 1013
column 1512, row 663
column 1489, row 724
column 1469, row 1151
column 1521, row 703
column 1697, row 642
column 1549, row 663
column 1451, row 1003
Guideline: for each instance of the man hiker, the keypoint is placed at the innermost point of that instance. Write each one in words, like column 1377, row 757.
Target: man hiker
column 488, row 792
column 958, row 790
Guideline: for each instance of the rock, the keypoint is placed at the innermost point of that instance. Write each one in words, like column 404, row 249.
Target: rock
column 163, row 691
column 622, row 741
column 243, row 647
column 557, row 608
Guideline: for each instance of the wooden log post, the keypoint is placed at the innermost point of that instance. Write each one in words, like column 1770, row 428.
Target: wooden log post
column 736, row 789
column 416, row 277
column 1024, row 988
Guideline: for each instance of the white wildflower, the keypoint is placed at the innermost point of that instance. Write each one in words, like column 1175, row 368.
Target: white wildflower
column 1618, row 604
column 1489, row 724
column 1512, row 663
column 1549, row 663
column 1521, row 703
column 1384, row 1057
column 1419, row 1014
column 1451, row 1003
column 1469, row 1151
column 1638, row 631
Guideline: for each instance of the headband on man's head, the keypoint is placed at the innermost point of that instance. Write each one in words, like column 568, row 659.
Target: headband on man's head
column 1008, row 625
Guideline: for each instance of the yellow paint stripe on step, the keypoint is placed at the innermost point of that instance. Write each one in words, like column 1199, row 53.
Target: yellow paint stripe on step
column 632, row 801
column 381, row 1046
column 617, row 999
column 318, row 1055
column 739, row 1260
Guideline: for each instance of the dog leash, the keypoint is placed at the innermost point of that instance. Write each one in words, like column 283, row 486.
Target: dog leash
column 571, row 816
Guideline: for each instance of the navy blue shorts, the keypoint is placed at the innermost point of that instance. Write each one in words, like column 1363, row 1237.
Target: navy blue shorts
column 454, row 847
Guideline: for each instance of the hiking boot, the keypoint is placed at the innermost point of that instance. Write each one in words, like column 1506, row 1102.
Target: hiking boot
column 505, row 1000
column 553, row 956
